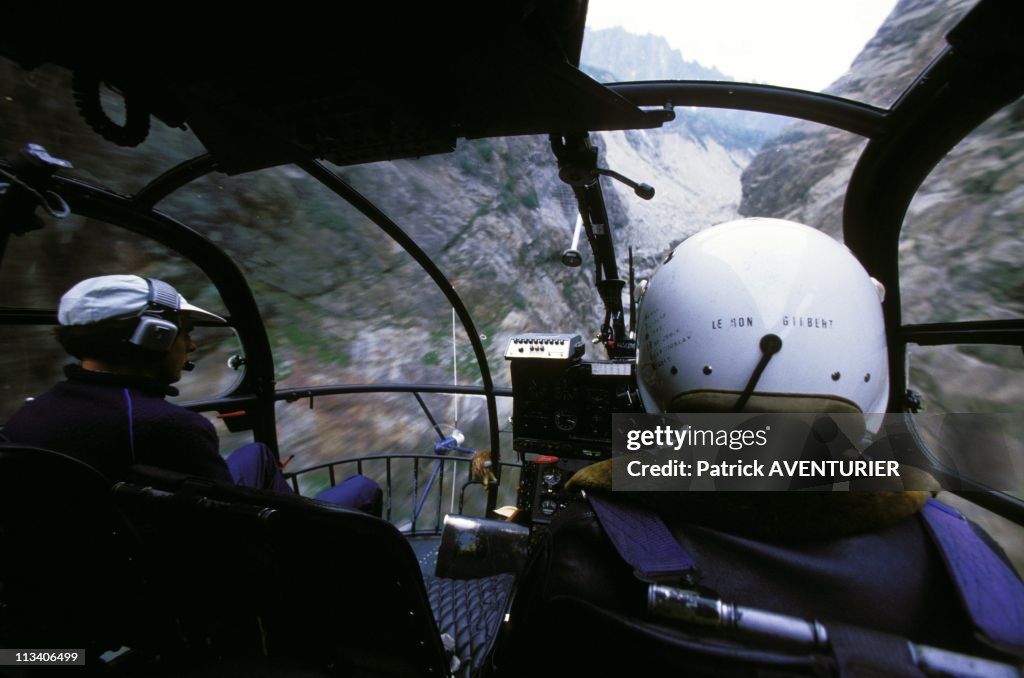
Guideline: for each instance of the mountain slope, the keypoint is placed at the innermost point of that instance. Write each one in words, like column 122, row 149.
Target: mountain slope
column 961, row 244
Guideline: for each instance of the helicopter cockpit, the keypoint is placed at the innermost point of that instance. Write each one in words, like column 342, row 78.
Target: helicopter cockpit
column 304, row 178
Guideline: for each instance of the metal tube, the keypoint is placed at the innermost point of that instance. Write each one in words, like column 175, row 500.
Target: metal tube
column 576, row 233
column 936, row 662
column 773, row 629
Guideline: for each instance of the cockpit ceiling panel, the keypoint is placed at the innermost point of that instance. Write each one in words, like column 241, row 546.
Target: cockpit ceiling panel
column 389, row 80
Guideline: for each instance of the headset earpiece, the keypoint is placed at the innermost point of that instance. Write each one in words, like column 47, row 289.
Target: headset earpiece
column 155, row 332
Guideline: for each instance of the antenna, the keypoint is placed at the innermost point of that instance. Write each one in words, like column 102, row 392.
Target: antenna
column 455, row 373
column 457, row 435
column 632, row 298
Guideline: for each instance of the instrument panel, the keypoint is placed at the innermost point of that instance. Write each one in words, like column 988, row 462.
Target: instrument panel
column 562, row 412
column 564, row 407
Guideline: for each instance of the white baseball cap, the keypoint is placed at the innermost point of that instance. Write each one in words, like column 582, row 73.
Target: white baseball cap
column 116, row 296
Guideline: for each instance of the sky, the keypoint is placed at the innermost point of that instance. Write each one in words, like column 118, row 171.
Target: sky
column 771, row 41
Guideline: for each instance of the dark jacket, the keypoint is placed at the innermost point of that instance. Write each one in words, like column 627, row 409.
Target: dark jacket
column 113, row 421
column 889, row 579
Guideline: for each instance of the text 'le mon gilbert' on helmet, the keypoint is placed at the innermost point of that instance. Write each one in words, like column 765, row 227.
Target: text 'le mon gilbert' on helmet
column 766, row 302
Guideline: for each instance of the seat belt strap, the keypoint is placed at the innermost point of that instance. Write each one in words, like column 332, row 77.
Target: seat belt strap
column 642, row 539
column 989, row 589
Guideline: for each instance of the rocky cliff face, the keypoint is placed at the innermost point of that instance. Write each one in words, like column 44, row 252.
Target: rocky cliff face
column 626, row 57
column 961, row 244
column 344, row 304
column 803, row 172
column 694, row 163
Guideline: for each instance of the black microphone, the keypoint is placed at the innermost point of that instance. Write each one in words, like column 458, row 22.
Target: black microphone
column 645, row 191
column 188, row 366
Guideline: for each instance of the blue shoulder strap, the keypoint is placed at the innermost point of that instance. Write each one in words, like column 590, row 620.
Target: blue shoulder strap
column 642, row 539
column 991, row 592
column 989, row 589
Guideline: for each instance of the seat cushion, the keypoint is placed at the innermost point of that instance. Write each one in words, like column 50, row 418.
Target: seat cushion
column 470, row 611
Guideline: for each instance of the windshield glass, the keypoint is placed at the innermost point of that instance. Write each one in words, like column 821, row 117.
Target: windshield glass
column 343, row 304
column 804, row 44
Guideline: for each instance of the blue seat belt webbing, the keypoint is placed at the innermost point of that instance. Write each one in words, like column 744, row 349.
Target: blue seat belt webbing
column 991, row 592
column 642, row 539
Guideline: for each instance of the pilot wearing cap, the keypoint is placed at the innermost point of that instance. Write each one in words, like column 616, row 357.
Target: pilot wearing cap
column 132, row 338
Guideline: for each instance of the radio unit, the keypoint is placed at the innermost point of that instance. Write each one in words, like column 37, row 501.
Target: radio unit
column 546, row 347
column 563, row 406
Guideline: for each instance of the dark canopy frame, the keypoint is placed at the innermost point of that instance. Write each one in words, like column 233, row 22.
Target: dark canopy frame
column 980, row 72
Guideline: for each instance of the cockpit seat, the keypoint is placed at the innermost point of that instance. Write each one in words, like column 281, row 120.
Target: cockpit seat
column 265, row 576
column 470, row 612
column 353, row 567
column 477, row 564
column 72, row 568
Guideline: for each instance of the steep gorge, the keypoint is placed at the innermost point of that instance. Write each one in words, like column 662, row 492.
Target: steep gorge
column 344, row 304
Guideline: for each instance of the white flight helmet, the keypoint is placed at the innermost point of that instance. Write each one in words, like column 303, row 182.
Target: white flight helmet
column 765, row 314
